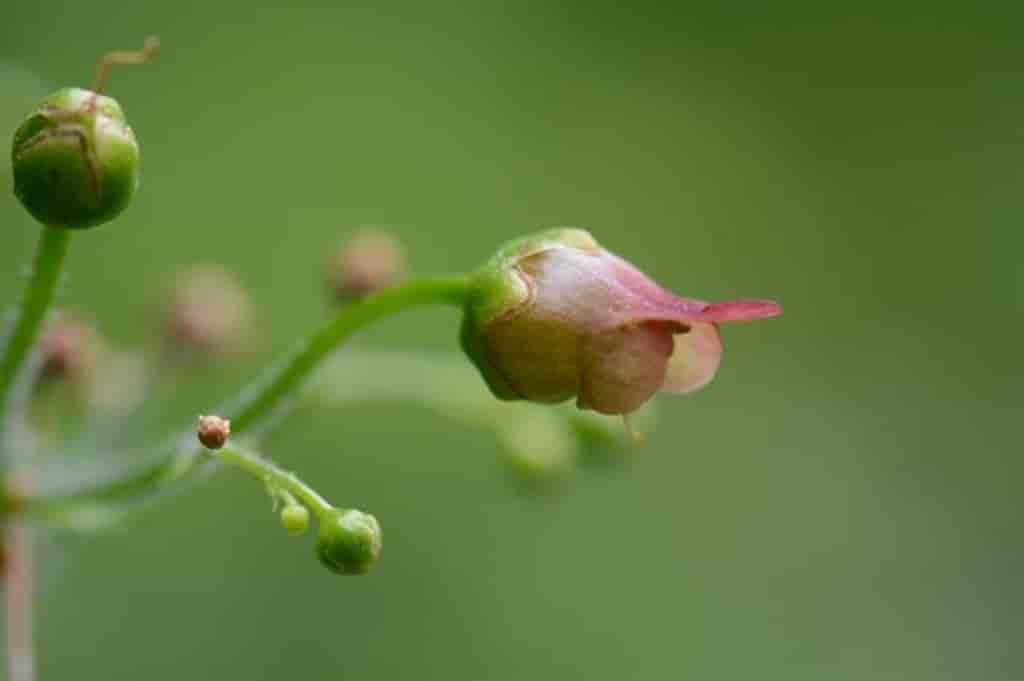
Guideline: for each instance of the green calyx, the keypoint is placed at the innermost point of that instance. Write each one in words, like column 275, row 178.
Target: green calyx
column 348, row 541
column 75, row 160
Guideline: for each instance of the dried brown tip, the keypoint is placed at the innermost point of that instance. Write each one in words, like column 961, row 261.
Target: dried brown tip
column 369, row 261
column 213, row 431
column 112, row 59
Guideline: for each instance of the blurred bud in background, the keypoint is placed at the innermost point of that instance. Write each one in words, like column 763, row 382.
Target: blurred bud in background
column 537, row 445
column 80, row 374
column 69, row 352
column 208, row 315
column 369, row 261
column 606, row 440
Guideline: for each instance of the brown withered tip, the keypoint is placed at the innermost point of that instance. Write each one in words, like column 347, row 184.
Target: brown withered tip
column 369, row 261
column 213, row 431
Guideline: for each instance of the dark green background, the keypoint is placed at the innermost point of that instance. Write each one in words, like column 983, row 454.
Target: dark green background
column 842, row 503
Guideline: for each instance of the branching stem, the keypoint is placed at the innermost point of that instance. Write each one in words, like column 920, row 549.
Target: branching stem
column 275, row 477
column 257, row 402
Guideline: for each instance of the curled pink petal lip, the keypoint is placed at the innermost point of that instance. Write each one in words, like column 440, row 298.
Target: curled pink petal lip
column 742, row 310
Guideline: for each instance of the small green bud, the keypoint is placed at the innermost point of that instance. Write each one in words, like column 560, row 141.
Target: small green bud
column 295, row 518
column 348, row 541
column 75, row 160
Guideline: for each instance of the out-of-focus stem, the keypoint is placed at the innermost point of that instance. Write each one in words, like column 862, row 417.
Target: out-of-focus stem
column 53, row 245
column 17, row 578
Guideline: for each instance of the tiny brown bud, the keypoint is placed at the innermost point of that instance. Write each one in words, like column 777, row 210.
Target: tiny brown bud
column 213, row 431
column 367, row 262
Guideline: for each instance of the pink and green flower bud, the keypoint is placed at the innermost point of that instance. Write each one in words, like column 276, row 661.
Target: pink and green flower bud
column 348, row 541
column 75, row 160
column 555, row 316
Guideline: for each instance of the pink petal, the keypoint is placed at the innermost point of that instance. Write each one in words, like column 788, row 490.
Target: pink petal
column 694, row 360
column 642, row 299
column 623, row 368
column 742, row 311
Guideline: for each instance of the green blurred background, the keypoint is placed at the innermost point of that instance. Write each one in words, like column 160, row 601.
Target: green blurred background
column 842, row 503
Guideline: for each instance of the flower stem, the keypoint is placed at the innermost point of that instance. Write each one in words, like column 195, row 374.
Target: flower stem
column 276, row 477
column 17, row 579
column 53, row 245
column 256, row 402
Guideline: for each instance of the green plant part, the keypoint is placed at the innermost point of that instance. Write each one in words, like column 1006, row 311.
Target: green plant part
column 75, row 160
column 295, row 518
column 348, row 541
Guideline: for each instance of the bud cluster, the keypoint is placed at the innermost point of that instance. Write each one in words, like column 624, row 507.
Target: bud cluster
column 348, row 541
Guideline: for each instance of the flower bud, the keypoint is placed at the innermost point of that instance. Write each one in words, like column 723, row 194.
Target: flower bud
column 208, row 314
column 556, row 316
column 75, row 160
column 69, row 351
column 295, row 518
column 213, row 431
column 538, row 446
column 348, row 541
column 368, row 262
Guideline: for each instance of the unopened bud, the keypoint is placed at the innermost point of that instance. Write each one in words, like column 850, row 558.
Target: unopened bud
column 76, row 161
column 69, row 351
column 368, row 262
column 556, row 316
column 348, row 541
column 208, row 314
column 295, row 518
column 213, row 431
column 538, row 446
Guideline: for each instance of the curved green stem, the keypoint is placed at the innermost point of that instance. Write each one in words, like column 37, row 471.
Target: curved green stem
column 53, row 245
column 256, row 402
column 276, row 477
column 259, row 401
